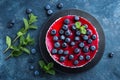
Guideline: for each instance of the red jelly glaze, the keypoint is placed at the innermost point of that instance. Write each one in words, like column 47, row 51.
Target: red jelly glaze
column 57, row 25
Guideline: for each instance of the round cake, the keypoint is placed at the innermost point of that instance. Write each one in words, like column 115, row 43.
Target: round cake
column 72, row 41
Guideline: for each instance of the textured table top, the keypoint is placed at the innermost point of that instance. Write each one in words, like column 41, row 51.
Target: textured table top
column 106, row 12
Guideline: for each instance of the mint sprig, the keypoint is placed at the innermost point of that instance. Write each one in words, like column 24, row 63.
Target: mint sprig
column 48, row 68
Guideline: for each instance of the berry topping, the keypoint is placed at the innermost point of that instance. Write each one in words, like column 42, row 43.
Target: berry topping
column 54, row 51
column 66, row 52
column 28, row 11
column 81, row 44
column 73, row 27
column 85, row 37
column 81, row 57
column 78, row 33
column 47, row 7
column 92, row 48
column 66, row 21
column 72, row 43
column 86, row 26
column 60, row 51
column 87, row 57
column 71, row 57
column 65, row 27
column 89, row 41
column 111, row 55
column 62, row 58
column 94, row 37
column 62, row 37
column 60, row 5
column 53, row 32
column 89, row 32
column 64, row 45
column 85, row 49
column 77, row 50
column 61, row 32
column 67, row 33
column 77, row 18
column 55, row 38
column 56, row 44
column 76, row 62
column 49, row 12
column 77, row 38
column 67, row 40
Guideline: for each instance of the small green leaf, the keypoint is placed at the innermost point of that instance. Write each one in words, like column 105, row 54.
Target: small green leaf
column 42, row 63
column 16, row 53
column 8, row 41
column 33, row 27
column 77, row 24
column 83, row 30
column 32, row 18
column 52, row 72
column 45, row 68
column 50, row 65
column 15, row 48
column 25, row 50
column 26, row 23
column 20, row 33
column 22, row 40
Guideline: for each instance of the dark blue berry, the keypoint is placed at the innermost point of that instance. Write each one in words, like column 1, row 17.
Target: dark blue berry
column 47, row 7
column 11, row 23
column 32, row 67
column 94, row 37
column 54, row 51
column 86, row 49
column 76, row 62
column 60, row 5
column 60, row 51
column 92, row 48
column 66, row 21
column 78, row 33
column 76, row 18
column 33, row 51
column 87, row 57
column 62, row 58
column 72, row 43
column 67, row 33
column 111, row 54
column 53, row 32
column 81, row 57
column 49, row 12
column 67, row 40
column 65, row 27
column 89, row 32
column 81, row 44
column 73, row 27
column 55, row 38
column 85, row 37
column 71, row 57
column 66, row 52
column 36, row 73
column 62, row 37
column 77, row 50
column 89, row 41
column 61, row 32
column 28, row 11
column 64, row 45
column 77, row 38
column 56, row 44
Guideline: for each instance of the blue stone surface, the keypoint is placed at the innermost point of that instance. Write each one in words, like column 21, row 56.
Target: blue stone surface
column 107, row 13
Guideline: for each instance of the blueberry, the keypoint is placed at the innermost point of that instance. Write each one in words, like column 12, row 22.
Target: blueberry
column 55, row 38
column 76, row 62
column 65, row 27
column 89, row 32
column 77, row 50
column 77, row 38
column 54, row 51
column 73, row 27
column 60, row 5
column 111, row 54
column 53, row 32
column 47, row 7
column 67, row 33
column 66, row 52
column 32, row 67
column 60, row 51
column 62, row 58
column 76, row 18
column 66, row 21
column 64, row 45
column 71, row 57
column 56, row 44
column 87, row 57
column 89, row 41
column 94, row 37
column 86, row 26
column 33, row 51
column 67, row 40
column 62, row 37
column 85, row 37
column 78, row 33
column 86, row 49
column 36, row 73
column 81, row 57
column 81, row 44
column 49, row 12
column 28, row 11
column 92, row 48
column 61, row 32
column 11, row 23
column 72, row 43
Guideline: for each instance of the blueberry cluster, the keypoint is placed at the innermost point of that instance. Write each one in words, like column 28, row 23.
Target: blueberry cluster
column 63, row 41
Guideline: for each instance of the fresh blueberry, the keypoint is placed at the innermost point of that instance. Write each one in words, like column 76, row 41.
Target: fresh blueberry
column 47, row 7
column 66, row 52
column 71, row 57
column 89, row 32
column 76, row 62
column 55, row 38
column 81, row 44
column 87, row 57
column 73, row 27
column 11, row 23
column 66, row 21
column 77, row 50
column 77, row 38
column 72, row 43
column 67, row 33
column 54, row 51
column 85, row 37
column 53, row 32
column 49, row 12
column 64, row 45
column 111, row 54
column 36, row 73
column 67, row 40
column 65, row 27
column 94, row 37
column 28, row 11
column 60, row 51
column 86, row 49
column 62, row 58
column 86, row 26
column 92, row 48
column 81, row 57
column 62, row 37
column 32, row 67
column 89, row 41
column 60, row 5
column 61, row 32
column 33, row 51
column 78, row 33
column 56, row 44
column 76, row 18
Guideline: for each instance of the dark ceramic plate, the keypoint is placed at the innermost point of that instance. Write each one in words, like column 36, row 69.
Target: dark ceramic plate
column 61, row 13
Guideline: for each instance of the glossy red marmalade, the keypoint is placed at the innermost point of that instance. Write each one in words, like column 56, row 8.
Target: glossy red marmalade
column 57, row 25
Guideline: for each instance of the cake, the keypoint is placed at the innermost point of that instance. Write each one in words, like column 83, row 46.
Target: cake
column 72, row 41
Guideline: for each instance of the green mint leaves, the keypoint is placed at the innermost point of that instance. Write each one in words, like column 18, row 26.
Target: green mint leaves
column 81, row 28
column 8, row 41
column 47, row 68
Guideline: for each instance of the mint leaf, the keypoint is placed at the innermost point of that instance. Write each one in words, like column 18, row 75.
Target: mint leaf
column 42, row 64
column 25, row 50
column 33, row 27
column 20, row 33
column 32, row 18
column 8, row 41
column 16, row 53
column 50, row 65
column 26, row 23
column 45, row 68
column 77, row 24
column 83, row 30
column 22, row 40
column 52, row 72
column 15, row 48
